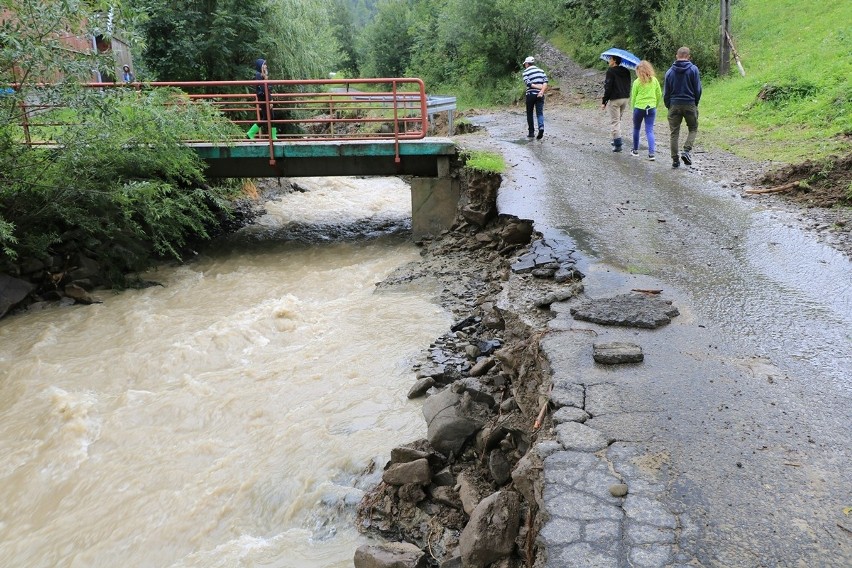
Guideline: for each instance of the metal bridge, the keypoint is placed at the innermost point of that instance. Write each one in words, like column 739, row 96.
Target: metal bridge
column 303, row 128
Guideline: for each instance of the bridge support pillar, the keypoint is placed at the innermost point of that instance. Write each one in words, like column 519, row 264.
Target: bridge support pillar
column 434, row 202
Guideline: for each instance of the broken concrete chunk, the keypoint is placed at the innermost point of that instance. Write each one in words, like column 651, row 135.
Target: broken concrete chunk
column 630, row 310
column 617, row 352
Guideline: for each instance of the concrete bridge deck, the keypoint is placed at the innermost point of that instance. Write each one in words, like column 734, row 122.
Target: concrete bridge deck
column 419, row 158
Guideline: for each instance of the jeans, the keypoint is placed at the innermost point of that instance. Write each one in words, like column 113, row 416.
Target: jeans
column 535, row 102
column 677, row 114
column 649, row 115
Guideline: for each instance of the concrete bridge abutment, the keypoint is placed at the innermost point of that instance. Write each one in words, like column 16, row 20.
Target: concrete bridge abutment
column 434, row 201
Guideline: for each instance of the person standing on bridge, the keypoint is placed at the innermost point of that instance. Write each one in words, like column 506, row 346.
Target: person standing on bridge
column 536, row 83
column 261, row 74
column 681, row 94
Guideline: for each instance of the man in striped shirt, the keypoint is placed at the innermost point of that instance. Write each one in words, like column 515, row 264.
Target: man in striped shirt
column 536, row 82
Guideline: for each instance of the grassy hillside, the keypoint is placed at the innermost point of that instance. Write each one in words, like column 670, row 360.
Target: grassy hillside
column 795, row 101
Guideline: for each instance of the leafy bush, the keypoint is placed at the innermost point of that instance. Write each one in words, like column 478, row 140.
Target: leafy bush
column 119, row 181
column 690, row 23
column 781, row 93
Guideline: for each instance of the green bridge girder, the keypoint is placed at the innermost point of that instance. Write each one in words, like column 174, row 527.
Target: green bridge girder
column 252, row 159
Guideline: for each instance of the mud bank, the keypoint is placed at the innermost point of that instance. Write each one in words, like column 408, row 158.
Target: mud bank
column 470, row 493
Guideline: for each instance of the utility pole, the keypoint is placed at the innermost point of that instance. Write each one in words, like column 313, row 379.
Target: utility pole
column 724, row 33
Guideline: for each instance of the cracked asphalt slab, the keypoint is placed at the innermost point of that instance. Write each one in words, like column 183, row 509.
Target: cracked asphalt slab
column 734, row 434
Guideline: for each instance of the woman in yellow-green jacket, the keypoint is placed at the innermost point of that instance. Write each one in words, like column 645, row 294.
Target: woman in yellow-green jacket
column 646, row 95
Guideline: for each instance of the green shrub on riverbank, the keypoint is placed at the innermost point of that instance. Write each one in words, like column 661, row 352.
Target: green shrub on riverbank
column 118, row 183
column 490, row 162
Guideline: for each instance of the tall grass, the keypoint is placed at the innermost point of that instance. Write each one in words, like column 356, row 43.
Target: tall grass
column 794, row 102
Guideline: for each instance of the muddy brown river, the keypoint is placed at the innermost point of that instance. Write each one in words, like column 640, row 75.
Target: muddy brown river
column 220, row 419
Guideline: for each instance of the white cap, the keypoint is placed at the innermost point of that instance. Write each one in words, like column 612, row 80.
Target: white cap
column 529, row 59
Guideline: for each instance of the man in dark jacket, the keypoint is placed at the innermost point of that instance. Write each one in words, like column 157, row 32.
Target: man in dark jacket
column 681, row 95
column 261, row 74
column 617, row 94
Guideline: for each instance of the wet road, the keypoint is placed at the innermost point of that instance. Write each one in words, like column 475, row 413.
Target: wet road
column 743, row 406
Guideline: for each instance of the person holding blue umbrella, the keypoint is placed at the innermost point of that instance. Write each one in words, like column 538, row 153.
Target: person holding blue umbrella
column 617, row 96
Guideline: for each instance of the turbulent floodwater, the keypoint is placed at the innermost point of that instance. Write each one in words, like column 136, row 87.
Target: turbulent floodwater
column 221, row 419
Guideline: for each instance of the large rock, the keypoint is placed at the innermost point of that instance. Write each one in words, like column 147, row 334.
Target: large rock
column 527, row 475
column 451, row 418
column 403, row 454
column 390, row 555
column 79, row 294
column 85, row 269
column 490, row 534
column 468, row 492
column 12, row 292
column 631, row 310
column 416, row 471
column 517, row 231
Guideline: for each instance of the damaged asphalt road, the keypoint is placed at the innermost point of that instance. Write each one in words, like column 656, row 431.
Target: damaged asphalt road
column 733, row 436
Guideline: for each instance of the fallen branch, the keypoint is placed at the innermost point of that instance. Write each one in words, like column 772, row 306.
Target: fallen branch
column 776, row 189
column 543, row 411
column 647, row 290
column 736, row 55
column 530, row 538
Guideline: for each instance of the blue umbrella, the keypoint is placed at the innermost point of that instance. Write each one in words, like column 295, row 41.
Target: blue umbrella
column 627, row 59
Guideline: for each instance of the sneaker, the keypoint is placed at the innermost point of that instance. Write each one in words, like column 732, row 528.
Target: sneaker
column 540, row 134
column 687, row 159
column 675, row 163
column 634, row 152
column 651, row 157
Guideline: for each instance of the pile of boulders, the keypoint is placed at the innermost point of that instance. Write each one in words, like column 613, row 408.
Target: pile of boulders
column 469, row 494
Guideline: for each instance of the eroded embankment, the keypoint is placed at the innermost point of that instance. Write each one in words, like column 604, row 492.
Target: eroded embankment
column 471, row 491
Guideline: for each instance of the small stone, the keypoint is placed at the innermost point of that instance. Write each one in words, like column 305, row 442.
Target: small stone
column 618, row 490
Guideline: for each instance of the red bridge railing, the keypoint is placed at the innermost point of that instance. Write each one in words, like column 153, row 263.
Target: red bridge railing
column 317, row 110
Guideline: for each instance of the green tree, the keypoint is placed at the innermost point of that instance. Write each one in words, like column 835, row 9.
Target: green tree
column 33, row 40
column 495, row 35
column 116, row 182
column 473, row 42
column 219, row 40
column 652, row 29
column 205, row 40
column 343, row 26
column 385, row 43
column 304, row 45
column 701, row 35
